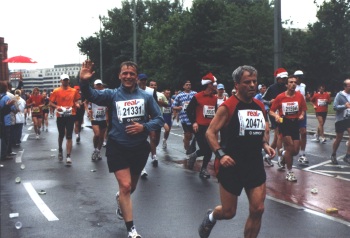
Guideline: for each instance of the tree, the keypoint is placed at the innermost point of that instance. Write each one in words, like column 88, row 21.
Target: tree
column 329, row 44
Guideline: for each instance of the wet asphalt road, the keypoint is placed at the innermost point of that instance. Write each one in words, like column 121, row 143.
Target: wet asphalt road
column 171, row 202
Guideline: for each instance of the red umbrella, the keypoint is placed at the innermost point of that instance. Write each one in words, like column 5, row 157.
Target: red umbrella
column 19, row 59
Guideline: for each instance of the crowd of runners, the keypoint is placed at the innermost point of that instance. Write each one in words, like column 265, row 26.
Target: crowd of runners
column 234, row 127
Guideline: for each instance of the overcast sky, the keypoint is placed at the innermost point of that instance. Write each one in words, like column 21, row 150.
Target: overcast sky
column 48, row 31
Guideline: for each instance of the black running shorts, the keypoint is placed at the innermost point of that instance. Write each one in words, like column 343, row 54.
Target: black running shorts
column 341, row 126
column 290, row 128
column 120, row 157
column 234, row 178
column 100, row 124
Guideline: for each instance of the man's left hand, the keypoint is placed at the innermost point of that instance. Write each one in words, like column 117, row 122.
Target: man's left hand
column 134, row 128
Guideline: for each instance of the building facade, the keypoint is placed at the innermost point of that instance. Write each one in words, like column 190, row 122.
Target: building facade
column 4, row 70
column 48, row 78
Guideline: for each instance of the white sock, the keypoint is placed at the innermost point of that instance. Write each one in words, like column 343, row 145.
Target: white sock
column 211, row 217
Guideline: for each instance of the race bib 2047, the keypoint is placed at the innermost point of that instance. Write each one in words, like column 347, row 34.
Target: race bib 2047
column 251, row 122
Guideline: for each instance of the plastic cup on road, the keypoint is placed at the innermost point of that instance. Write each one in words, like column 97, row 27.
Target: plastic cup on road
column 18, row 180
column 23, row 166
column 18, row 225
column 42, row 192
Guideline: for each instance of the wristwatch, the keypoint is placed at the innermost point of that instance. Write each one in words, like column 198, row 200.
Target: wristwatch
column 219, row 153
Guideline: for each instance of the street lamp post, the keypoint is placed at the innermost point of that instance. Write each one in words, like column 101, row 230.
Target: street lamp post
column 101, row 73
column 134, row 33
column 277, row 35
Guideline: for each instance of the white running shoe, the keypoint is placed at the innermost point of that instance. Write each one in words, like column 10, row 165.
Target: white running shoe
column 37, row 137
column 60, row 156
column 323, row 140
column 281, row 163
column 303, row 160
column 99, row 156
column 154, row 161
column 268, row 161
column 291, row 177
column 94, row 156
column 164, row 144
column 133, row 233
column 144, row 173
column 69, row 161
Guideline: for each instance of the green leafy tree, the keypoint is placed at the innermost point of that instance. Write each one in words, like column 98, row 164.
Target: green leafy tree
column 329, row 44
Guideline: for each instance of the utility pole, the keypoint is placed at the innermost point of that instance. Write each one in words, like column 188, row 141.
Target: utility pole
column 101, row 68
column 277, row 35
column 134, row 27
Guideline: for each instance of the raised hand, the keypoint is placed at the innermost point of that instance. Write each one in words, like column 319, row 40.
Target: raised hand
column 86, row 71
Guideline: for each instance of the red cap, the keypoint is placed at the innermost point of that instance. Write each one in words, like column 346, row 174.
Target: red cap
column 281, row 73
column 209, row 78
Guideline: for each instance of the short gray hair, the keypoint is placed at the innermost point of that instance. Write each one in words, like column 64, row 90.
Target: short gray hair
column 238, row 73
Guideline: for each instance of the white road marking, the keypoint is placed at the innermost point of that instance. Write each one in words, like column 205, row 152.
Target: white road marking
column 309, row 211
column 30, row 128
column 333, row 172
column 317, row 165
column 25, row 137
column 329, row 173
column 176, row 134
column 337, row 166
column 45, row 210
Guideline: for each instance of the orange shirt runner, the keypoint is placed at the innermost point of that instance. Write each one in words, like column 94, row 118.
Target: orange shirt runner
column 65, row 98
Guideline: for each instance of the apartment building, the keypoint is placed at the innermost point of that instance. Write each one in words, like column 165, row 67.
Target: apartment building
column 48, row 78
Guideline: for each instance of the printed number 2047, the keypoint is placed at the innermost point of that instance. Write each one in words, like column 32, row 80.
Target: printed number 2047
column 254, row 123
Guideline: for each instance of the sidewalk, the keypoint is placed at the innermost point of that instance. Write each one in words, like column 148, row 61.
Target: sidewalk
column 329, row 128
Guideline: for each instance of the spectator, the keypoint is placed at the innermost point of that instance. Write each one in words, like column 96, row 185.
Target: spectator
column 342, row 120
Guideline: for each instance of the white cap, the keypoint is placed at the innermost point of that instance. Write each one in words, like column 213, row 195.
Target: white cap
column 64, row 76
column 98, row 81
column 298, row 72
